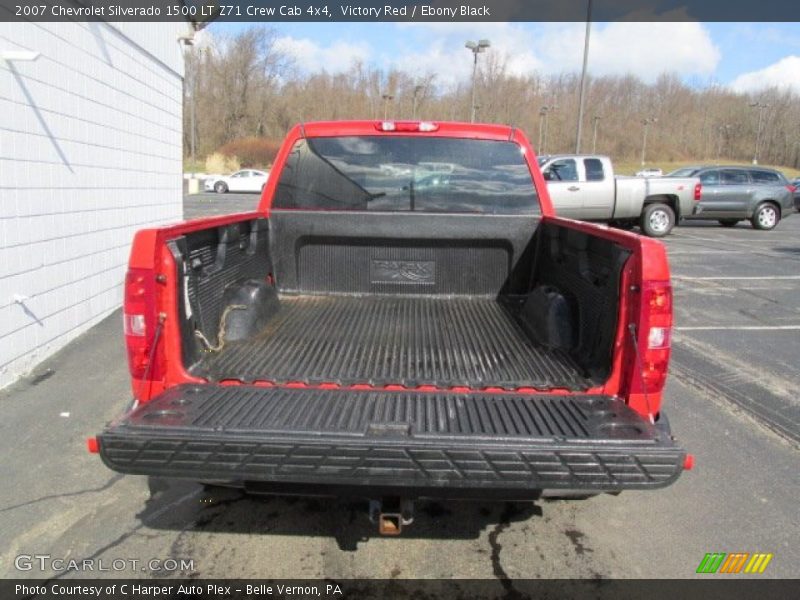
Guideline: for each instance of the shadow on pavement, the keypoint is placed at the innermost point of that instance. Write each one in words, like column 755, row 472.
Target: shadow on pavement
column 711, row 223
column 180, row 505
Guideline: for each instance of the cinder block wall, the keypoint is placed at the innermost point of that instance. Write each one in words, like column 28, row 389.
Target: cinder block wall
column 90, row 151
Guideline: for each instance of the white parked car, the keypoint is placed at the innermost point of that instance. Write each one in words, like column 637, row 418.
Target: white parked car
column 246, row 180
column 652, row 172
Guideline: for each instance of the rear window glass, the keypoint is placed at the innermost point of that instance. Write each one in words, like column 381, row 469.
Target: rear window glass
column 710, row 177
column 594, row 169
column 732, row 177
column 765, row 177
column 688, row 172
column 424, row 174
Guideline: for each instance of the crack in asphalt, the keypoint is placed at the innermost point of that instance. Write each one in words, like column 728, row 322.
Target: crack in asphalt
column 509, row 512
column 102, row 488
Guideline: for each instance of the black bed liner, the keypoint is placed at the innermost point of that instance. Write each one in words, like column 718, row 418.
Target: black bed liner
column 411, row 341
column 422, row 440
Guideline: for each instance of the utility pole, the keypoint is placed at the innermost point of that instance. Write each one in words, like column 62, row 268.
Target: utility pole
column 476, row 48
column 646, row 122
column 594, row 134
column 542, row 115
column 582, row 94
column 417, row 90
column 386, row 99
column 544, row 112
column 551, row 108
column 193, row 111
column 723, row 135
column 760, row 106
column 544, row 144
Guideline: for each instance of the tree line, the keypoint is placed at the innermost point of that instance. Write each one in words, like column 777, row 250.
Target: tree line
column 244, row 86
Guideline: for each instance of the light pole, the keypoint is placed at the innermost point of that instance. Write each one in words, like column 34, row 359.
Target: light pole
column 417, row 90
column 582, row 94
column 543, row 113
column 386, row 99
column 723, row 135
column 193, row 111
column 760, row 106
column 646, row 122
column 594, row 134
column 476, row 48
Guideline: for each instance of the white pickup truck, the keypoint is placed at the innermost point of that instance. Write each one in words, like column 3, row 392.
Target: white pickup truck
column 584, row 187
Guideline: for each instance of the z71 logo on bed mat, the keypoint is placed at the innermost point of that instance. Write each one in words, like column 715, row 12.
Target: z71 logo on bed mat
column 403, row 271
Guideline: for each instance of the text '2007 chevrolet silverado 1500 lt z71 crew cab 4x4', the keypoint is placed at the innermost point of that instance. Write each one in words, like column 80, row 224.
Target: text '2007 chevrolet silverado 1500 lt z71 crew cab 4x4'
column 403, row 317
column 585, row 187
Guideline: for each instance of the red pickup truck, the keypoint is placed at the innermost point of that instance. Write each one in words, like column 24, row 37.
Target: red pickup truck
column 402, row 317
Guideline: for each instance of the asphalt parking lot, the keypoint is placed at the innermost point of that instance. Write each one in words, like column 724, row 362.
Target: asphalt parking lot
column 731, row 399
column 207, row 204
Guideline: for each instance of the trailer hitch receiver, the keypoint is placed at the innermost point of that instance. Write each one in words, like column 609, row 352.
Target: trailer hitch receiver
column 391, row 514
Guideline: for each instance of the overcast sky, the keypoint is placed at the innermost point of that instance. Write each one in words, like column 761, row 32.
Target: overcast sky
column 744, row 56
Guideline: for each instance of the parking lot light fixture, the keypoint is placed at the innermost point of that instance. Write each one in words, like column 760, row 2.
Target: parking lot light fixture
column 724, row 133
column 646, row 122
column 417, row 90
column 760, row 106
column 582, row 92
column 594, row 134
column 476, row 48
column 386, row 99
column 543, row 114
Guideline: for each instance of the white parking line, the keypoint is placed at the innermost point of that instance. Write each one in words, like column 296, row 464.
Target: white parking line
column 725, row 278
column 740, row 328
column 695, row 252
column 726, row 238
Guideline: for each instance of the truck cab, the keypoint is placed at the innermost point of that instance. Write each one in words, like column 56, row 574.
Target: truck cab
column 580, row 186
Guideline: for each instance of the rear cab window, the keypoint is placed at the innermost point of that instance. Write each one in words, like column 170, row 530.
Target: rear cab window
column 594, row 169
column 407, row 173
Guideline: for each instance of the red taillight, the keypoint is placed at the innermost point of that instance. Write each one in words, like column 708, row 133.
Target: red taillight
column 698, row 192
column 654, row 333
column 139, row 323
column 792, row 188
column 657, row 297
column 421, row 126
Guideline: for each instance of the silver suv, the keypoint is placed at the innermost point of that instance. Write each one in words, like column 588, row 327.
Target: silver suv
column 732, row 194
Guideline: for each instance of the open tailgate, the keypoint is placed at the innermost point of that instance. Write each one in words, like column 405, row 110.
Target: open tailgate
column 420, row 441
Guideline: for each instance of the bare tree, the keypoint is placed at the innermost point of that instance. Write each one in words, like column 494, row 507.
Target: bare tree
column 245, row 86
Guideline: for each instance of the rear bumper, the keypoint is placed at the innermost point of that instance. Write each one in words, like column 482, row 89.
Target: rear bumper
column 428, row 444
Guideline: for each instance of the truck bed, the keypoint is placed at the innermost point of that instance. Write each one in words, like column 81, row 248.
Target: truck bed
column 411, row 341
column 379, row 332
